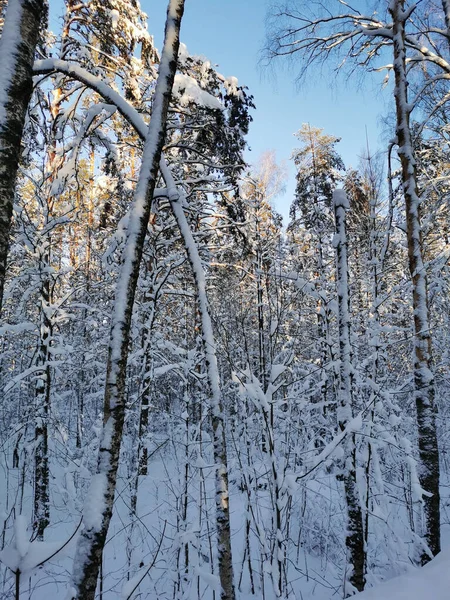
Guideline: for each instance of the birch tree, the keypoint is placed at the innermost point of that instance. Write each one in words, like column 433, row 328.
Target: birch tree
column 345, row 413
column 228, row 144
column 18, row 43
column 423, row 373
column 361, row 39
column 217, row 413
column 100, row 498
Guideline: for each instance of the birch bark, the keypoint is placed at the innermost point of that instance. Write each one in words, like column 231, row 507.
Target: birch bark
column 18, row 42
column 423, row 375
column 355, row 530
column 219, row 441
column 99, row 502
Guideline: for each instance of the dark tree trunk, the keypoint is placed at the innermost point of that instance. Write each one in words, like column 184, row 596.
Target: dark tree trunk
column 41, row 466
column 355, row 525
column 17, row 47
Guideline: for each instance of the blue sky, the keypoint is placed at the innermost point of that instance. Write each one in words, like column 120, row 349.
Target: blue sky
column 230, row 33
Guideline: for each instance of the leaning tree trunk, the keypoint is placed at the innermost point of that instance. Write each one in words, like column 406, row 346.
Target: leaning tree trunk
column 219, row 441
column 17, row 47
column 99, row 502
column 423, row 374
column 355, row 529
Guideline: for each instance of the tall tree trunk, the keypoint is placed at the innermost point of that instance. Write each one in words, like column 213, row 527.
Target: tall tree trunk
column 41, row 499
column 219, row 441
column 17, row 47
column 423, row 375
column 355, row 528
column 99, row 502
column 81, row 379
column 43, row 386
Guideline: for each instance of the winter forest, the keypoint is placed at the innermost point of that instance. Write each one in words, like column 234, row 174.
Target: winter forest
column 199, row 399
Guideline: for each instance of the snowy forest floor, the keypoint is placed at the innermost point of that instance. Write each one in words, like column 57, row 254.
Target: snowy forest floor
column 166, row 547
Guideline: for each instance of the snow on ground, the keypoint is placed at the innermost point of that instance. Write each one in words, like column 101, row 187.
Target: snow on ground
column 159, row 533
column 431, row 582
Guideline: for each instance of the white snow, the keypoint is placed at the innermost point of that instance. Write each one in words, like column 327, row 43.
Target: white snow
column 340, row 198
column 130, row 585
column 183, row 54
column 9, row 41
column 431, row 582
column 74, row 70
column 188, row 90
column 212, row 580
column 232, row 86
column 276, row 371
column 94, row 504
column 115, row 16
column 24, row 555
column 22, row 541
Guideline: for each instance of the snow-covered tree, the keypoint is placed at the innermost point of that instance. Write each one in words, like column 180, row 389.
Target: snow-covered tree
column 20, row 36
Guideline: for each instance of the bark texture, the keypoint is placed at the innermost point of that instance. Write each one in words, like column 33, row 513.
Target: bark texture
column 423, row 375
column 97, row 515
column 22, row 24
column 226, row 575
column 355, row 529
column 41, row 498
